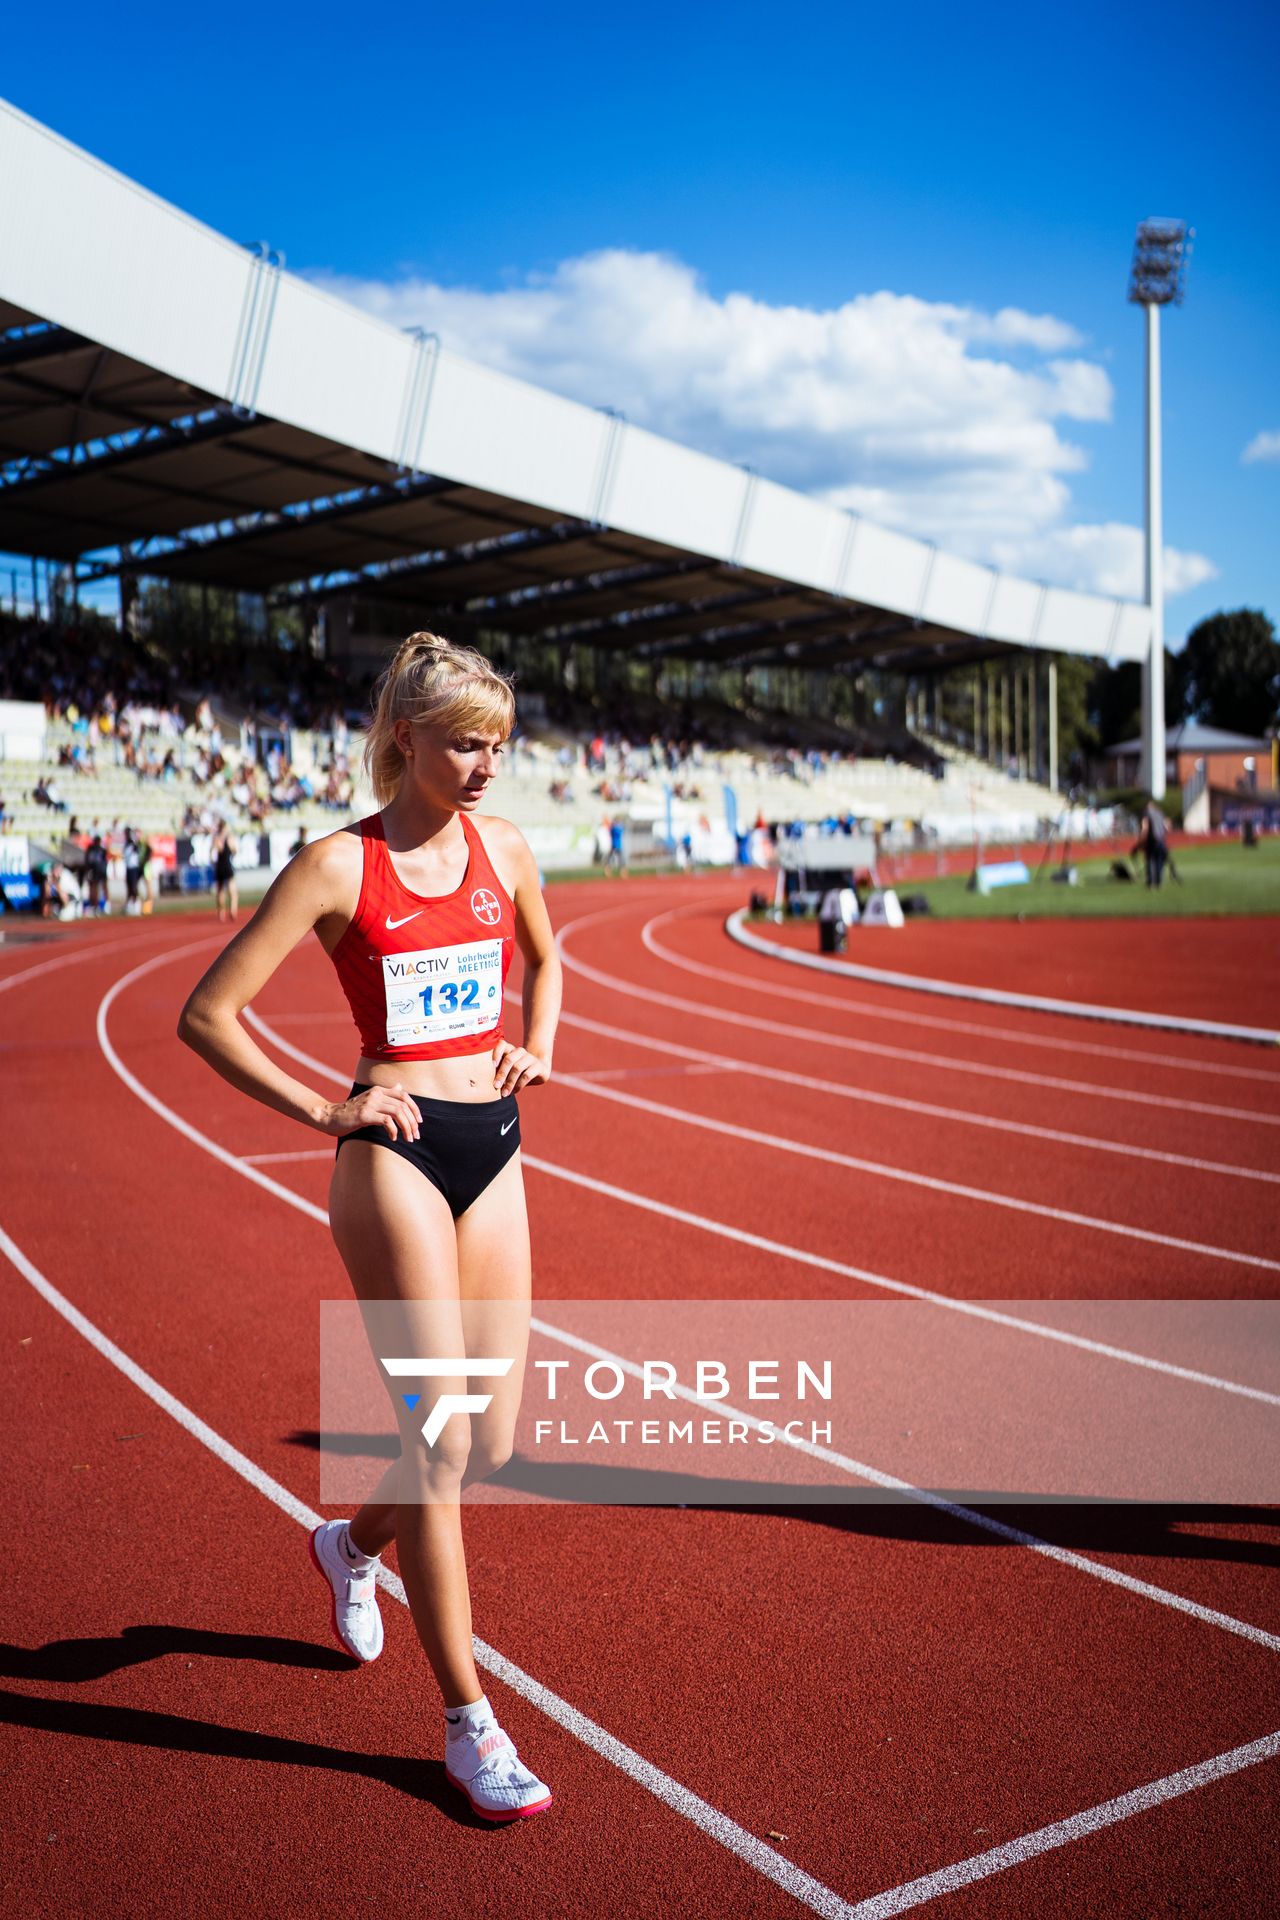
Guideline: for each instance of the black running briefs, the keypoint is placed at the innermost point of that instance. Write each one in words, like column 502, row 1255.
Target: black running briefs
column 462, row 1147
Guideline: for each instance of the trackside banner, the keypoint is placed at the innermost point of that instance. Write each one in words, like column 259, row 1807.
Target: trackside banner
column 811, row 1402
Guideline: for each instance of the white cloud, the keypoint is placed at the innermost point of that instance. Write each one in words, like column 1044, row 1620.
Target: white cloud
column 941, row 420
column 1104, row 559
column 1263, row 446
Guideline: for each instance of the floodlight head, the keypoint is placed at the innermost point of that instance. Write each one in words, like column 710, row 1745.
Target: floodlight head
column 1160, row 254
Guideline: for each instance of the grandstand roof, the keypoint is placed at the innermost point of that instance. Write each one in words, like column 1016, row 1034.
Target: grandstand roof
column 174, row 404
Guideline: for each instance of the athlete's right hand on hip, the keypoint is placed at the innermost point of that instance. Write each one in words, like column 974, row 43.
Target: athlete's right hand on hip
column 388, row 1107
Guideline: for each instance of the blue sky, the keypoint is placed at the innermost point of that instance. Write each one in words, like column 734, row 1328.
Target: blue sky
column 579, row 192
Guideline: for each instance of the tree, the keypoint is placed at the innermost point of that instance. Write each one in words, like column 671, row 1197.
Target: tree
column 1230, row 672
column 1115, row 699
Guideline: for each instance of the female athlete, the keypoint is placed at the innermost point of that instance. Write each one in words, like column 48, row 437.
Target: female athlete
column 419, row 907
column 223, row 849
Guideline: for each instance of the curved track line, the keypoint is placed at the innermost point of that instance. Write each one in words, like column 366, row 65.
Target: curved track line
column 915, row 1017
column 744, row 1238
column 1024, row 1129
column 947, row 1062
column 94, row 952
column 996, row 996
column 881, row 1170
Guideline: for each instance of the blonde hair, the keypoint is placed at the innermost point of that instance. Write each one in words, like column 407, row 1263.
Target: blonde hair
column 430, row 679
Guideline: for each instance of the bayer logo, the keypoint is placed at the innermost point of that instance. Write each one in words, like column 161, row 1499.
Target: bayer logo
column 485, row 906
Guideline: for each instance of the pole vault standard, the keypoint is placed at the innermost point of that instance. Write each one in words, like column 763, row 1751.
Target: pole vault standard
column 1156, row 279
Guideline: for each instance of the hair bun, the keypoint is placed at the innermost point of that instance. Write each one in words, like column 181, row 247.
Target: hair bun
column 424, row 643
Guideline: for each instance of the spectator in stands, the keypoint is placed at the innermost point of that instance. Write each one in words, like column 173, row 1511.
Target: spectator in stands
column 46, row 794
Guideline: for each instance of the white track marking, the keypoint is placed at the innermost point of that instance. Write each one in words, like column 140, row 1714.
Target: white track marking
column 719, row 1062
column 904, row 1899
column 889, row 1482
column 997, row 996
column 94, row 952
column 759, row 1242
column 881, row 1049
column 881, row 1170
column 940, row 1023
column 803, row 1887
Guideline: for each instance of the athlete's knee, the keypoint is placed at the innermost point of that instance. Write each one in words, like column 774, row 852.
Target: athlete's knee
column 440, row 1460
column 489, row 1454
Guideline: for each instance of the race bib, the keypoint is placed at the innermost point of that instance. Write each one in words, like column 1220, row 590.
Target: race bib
column 442, row 993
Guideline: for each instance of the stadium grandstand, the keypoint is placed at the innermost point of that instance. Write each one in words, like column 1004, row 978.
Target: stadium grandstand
column 696, row 647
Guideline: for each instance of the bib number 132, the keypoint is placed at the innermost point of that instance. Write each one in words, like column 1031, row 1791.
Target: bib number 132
column 450, row 997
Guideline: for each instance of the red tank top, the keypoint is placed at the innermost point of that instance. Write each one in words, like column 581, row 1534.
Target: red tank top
column 424, row 975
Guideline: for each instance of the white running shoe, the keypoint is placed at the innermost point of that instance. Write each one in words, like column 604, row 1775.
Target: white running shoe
column 356, row 1620
column 482, row 1763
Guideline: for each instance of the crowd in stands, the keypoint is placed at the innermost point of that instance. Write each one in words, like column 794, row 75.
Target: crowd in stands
column 125, row 707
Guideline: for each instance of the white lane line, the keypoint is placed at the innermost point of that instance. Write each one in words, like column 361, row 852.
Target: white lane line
column 939, row 1023
column 1156, row 1793
column 742, row 1237
column 996, row 996
column 882, row 1170
column 969, row 1516
column 723, row 1063
column 803, row 1887
column 93, row 952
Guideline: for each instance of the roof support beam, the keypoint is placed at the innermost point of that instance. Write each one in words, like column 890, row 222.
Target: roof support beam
column 510, row 544
column 201, row 544
column 120, row 450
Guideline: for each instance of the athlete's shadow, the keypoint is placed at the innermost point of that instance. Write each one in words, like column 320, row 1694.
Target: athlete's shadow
column 1169, row 1531
column 93, row 1659
column 171, row 1733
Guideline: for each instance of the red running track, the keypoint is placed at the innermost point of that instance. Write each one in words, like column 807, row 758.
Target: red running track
column 894, row 1689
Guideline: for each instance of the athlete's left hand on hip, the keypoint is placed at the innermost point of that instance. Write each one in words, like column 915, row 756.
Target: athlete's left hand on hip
column 514, row 1068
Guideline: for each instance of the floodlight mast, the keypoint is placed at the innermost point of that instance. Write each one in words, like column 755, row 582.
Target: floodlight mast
column 1156, row 279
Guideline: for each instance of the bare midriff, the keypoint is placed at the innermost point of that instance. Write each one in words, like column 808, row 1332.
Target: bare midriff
column 463, row 1076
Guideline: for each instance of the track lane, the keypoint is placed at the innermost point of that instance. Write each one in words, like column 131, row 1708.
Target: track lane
column 691, row 941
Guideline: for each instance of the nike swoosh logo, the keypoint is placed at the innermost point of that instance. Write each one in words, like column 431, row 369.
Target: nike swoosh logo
column 511, row 1122
column 393, row 924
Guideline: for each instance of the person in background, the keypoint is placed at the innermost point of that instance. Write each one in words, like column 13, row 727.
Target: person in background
column 1153, row 842
column 224, row 872
column 131, row 854
column 95, row 872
